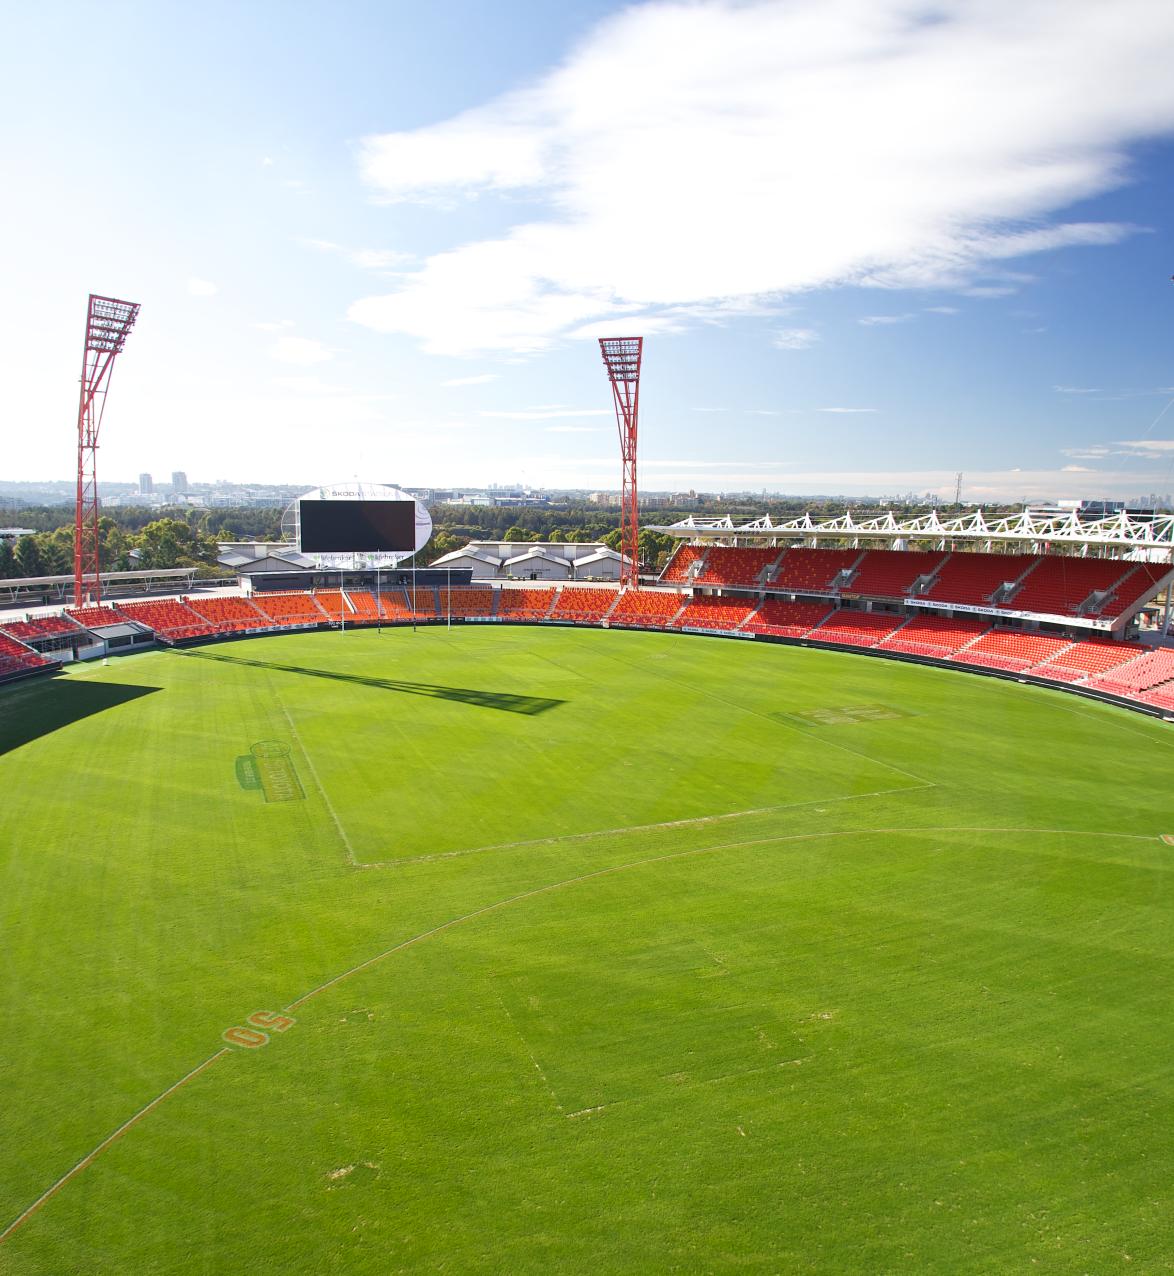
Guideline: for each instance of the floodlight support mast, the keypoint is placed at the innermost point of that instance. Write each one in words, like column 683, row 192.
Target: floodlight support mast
column 621, row 358
column 108, row 322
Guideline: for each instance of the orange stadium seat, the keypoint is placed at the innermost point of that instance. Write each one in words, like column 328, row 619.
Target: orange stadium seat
column 1143, row 673
column 781, row 619
column 466, row 602
column 677, row 569
column 229, row 614
column 715, row 613
column 169, row 618
column 290, row 609
column 1135, row 585
column 1087, row 659
column 973, row 578
column 1011, row 649
column 890, row 573
column 934, row 636
column 583, row 605
column 524, row 604
column 1058, row 585
column 857, row 628
column 646, row 607
column 40, row 627
column 91, row 616
column 16, row 657
column 333, row 603
column 731, row 565
column 811, row 569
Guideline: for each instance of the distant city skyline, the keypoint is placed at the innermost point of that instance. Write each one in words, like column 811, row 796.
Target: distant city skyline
column 865, row 252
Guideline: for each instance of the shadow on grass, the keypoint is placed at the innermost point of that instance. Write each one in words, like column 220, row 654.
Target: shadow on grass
column 29, row 712
column 503, row 700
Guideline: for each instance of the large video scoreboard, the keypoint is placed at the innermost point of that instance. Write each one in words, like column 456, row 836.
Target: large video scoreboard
column 357, row 527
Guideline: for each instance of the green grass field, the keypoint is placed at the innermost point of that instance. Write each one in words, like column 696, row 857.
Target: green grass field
column 607, row 952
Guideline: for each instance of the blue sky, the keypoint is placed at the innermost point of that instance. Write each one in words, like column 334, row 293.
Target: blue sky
column 869, row 242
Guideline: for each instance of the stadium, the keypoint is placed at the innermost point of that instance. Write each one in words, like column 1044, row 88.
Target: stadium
column 797, row 910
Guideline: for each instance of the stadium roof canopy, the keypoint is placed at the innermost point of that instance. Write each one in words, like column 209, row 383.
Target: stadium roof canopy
column 33, row 589
column 1149, row 537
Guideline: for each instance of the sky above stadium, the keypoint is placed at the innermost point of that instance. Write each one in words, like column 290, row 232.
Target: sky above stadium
column 870, row 243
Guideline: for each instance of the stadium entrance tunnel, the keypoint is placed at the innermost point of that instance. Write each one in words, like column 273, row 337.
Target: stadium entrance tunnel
column 506, row 701
column 53, row 704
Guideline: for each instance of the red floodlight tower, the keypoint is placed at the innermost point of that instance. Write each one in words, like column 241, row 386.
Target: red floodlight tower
column 107, row 324
column 621, row 358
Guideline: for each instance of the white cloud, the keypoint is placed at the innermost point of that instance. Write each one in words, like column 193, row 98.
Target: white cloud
column 699, row 153
column 846, row 410
column 1076, row 389
column 368, row 258
column 308, row 385
column 274, row 325
column 304, row 351
column 1076, row 469
column 546, row 413
column 1093, row 453
column 379, row 258
column 794, row 338
column 575, row 429
column 872, row 321
column 942, row 310
column 202, row 288
column 1151, row 445
column 482, row 378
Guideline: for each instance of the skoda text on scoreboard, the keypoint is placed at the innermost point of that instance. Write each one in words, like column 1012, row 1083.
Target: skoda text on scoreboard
column 364, row 527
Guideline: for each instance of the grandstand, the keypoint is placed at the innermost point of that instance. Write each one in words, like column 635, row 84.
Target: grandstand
column 964, row 609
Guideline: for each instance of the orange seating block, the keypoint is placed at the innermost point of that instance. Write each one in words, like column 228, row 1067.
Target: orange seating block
column 782, row 619
column 890, row 573
column 734, row 565
column 646, row 607
column 715, row 613
column 677, row 568
column 524, row 604
column 1057, row 585
column 466, row 602
column 1011, row 649
column 583, row 605
column 973, row 578
column 90, row 616
column 811, row 569
column 40, row 627
column 170, row 618
column 934, row 636
column 857, row 628
column 229, row 614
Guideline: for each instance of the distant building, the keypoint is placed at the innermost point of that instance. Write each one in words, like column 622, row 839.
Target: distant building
column 146, row 485
column 534, row 560
column 179, row 482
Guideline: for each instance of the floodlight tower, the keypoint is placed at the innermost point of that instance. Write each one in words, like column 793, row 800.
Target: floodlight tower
column 108, row 322
column 621, row 358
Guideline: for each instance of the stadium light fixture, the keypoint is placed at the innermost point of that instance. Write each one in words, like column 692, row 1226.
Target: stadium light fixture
column 108, row 323
column 621, row 358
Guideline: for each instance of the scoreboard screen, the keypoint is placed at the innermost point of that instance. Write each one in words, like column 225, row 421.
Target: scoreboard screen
column 357, row 527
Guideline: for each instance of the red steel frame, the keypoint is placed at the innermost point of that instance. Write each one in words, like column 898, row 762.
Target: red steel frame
column 108, row 321
column 621, row 357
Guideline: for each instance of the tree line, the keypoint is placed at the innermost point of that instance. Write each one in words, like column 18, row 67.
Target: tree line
column 131, row 539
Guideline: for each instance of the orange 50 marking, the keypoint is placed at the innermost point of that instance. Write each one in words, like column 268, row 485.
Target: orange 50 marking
column 251, row 1038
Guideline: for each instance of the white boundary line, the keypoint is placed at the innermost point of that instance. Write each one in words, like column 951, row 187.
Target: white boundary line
column 697, row 820
column 106, row 1142
column 346, row 841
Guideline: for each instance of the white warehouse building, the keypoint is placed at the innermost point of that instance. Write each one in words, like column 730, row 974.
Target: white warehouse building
column 535, row 560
